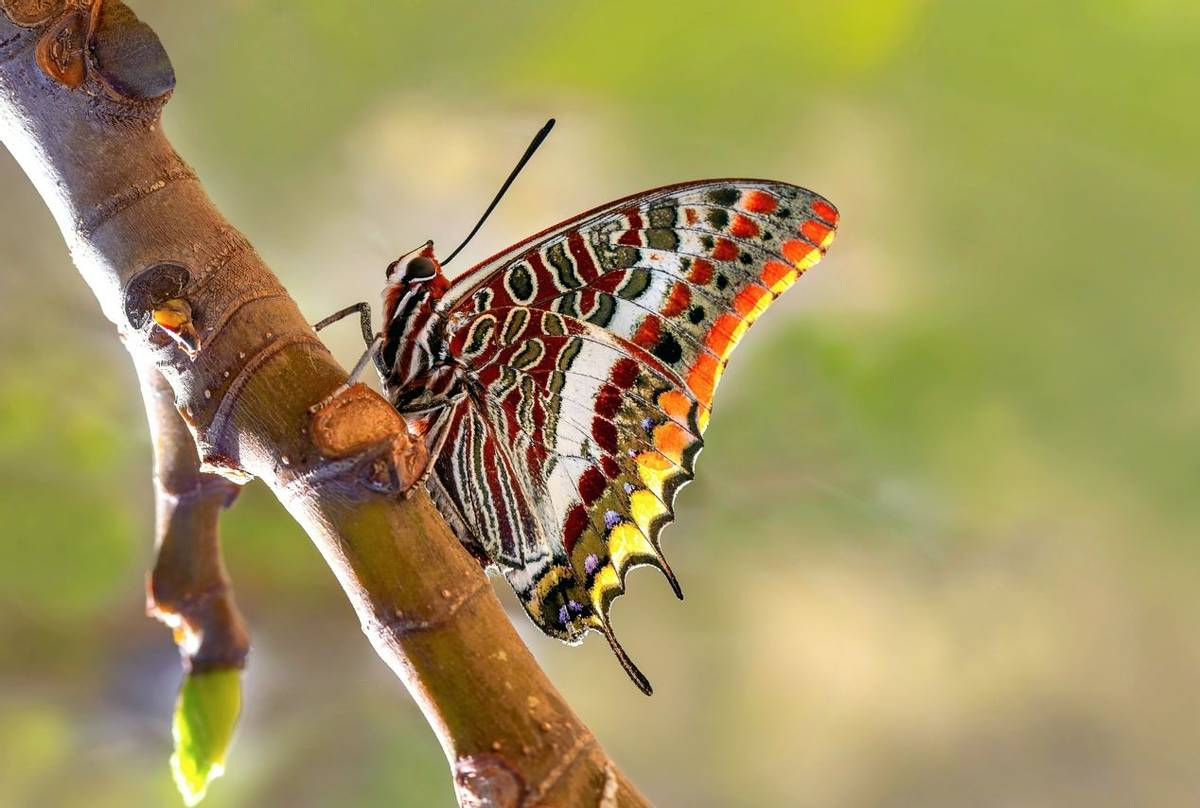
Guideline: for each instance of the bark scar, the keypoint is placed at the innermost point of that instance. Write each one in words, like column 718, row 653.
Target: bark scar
column 235, row 305
column 231, row 244
column 487, row 781
column 608, row 797
column 85, row 226
column 399, row 625
column 214, row 434
column 585, row 740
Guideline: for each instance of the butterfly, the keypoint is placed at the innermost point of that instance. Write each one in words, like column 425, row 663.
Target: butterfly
column 563, row 386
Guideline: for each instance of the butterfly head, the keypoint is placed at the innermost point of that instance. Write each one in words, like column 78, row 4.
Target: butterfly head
column 416, row 273
column 417, row 266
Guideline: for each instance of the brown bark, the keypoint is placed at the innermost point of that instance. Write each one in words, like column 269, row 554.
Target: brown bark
column 82, row 83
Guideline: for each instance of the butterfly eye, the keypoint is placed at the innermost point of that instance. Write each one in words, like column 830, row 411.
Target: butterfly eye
column 420, row 269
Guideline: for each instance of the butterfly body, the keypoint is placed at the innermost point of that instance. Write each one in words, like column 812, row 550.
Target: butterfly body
column 563, row 386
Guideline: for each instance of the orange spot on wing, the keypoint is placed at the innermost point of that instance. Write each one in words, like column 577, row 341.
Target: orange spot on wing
column 801, row 253
column 702, row 379
column 743, row 227
column 675, row 404
column 691, row 215
column 816, row 232
column 671, row 439
column 648, row 333
column 751, row 302
column 677, row 301
column 760, row 202
column 724, row 250
column 654, row 461
column 778, row 276
column 774, row 272
column 701, row 273
column 722, row 333
column 825, row 211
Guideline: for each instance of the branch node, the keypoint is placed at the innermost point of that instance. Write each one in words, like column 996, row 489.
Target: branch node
column 150, row 288
column 31, row 13
column 207, row 485
column 358, row 421
column 129, row 60
column 61, row 48
column 353, row 421
column 226, row 467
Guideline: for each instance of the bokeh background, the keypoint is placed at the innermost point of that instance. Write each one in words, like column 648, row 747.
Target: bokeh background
column 942, row 548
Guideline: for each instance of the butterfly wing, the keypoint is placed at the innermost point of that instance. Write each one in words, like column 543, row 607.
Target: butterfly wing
column 592, row 352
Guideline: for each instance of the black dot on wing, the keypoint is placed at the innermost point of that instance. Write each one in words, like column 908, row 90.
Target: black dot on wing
column 722, row 281
column 724, row 196
column 696, row 315
column 520, row 283
column 668, row 349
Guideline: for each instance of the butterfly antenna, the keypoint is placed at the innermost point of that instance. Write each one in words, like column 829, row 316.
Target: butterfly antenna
column 533, row 147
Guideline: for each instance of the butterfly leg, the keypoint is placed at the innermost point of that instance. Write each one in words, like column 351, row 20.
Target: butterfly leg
column 369, row 354
column 373, row 341
column 364, row 322
column 435, row 437
column 364, row 319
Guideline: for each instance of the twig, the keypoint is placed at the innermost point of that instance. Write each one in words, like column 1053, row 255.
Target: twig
column 189, row 589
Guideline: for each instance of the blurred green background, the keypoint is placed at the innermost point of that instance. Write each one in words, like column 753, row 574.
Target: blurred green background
column 942, row 548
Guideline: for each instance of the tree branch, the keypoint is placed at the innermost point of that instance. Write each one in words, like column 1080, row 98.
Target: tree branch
column 82, row 83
